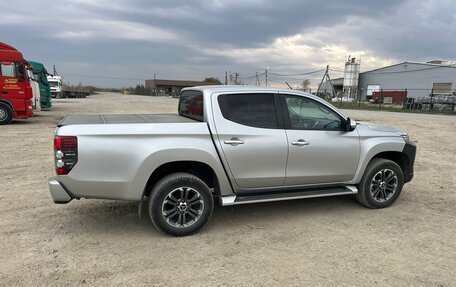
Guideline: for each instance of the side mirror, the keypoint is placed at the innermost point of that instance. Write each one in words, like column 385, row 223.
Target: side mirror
column 350, row 125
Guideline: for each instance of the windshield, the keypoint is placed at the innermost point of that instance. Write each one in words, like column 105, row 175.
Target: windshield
column 53, row 84
column 36, row 76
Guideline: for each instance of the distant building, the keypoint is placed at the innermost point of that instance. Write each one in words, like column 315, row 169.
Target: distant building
column 171, row 87
column 418, row 79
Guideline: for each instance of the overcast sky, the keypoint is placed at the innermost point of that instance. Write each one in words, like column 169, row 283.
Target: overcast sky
column 119, row 43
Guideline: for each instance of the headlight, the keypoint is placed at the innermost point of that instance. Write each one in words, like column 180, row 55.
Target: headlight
column 405, row 137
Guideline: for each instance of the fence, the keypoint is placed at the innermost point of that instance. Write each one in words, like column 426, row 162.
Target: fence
column 427, row 100
column 433, row 103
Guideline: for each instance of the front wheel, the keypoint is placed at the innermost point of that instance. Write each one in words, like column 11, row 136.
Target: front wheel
column 6, row 114
column 381, row 184
column 180, row 204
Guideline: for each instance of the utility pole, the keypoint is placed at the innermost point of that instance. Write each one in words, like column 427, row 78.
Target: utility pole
column 329, row 80
column 257, row 79
column 55, row 72
column 266, row 76
column 155, row 86
column 326, row 76
column 236, row 75
column 226, row 78
column 322, row 79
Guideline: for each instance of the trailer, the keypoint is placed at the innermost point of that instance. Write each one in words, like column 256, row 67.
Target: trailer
column 60, row 90
column 75, row 92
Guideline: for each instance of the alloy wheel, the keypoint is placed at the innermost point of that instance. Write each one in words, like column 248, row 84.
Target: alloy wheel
column 182, row 207
column 383, row 185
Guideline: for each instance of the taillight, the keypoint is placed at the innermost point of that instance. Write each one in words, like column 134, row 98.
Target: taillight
column 66, row 153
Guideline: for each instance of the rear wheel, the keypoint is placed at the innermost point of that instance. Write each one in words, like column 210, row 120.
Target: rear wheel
column 180, row 204
column 381, row 184
column 6, row 114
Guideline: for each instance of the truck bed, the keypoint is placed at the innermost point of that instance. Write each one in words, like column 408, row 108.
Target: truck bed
column 123, row 119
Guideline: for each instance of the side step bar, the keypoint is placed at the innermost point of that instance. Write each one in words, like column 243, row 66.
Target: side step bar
column 279, row 196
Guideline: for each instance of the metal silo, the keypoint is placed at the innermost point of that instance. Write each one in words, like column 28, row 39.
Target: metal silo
column 351, row 76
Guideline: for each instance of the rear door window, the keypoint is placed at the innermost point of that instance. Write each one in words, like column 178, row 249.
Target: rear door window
column 255, row 110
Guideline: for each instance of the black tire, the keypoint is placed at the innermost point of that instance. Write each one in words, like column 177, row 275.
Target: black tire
column 179, row 197
column 6, row 114
column 381, row 183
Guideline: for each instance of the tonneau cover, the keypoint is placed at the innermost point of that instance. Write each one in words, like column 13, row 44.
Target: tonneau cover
column 123, row 119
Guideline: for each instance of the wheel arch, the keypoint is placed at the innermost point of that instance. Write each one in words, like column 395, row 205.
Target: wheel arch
column 399, row 158
column 391, row 149
column 199, row 169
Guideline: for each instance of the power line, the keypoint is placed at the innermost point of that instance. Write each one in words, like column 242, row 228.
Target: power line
column 300, row 74
column 101, row 77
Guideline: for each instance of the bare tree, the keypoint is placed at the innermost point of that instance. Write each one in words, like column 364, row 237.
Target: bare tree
column 305, row 86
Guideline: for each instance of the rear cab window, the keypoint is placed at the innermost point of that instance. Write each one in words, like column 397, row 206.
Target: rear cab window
column 255, row 110
column 191, row 105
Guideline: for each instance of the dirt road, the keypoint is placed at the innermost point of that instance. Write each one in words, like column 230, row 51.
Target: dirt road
column 328, row 241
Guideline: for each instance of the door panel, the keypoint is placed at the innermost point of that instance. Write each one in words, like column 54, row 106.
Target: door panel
column 328, row 156
column 12, row 88
column 256, row 156
column 320, row 151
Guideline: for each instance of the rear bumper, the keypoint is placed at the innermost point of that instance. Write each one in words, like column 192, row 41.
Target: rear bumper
column 59, row 193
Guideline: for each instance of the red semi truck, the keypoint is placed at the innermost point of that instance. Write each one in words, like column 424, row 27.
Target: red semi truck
column 15, row 90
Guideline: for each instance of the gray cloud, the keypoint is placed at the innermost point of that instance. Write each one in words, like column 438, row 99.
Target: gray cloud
column 112, row 40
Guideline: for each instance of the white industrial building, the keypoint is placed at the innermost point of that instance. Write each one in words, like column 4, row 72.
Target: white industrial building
column 418, row 79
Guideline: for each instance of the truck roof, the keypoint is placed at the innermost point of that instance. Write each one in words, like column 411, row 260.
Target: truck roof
column 54, row 78
column 9, row 53
column 37, row 66
column 245, row 88
column 229, row 88
column 208, row 90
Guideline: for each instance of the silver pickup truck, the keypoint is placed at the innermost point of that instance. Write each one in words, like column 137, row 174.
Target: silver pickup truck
column 236, row 143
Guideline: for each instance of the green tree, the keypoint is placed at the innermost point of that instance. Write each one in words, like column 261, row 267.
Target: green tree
column 213, row 81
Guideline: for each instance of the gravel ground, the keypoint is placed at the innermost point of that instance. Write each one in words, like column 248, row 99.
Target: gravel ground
column 327, row 241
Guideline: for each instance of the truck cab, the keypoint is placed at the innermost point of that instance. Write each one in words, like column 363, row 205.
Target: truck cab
column 15, row 89
column 40, row 74
column 55, row 83
column 36, row 99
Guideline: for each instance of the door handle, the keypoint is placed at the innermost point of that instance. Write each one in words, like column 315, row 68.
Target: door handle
column 300, row 142
column 233, row 141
